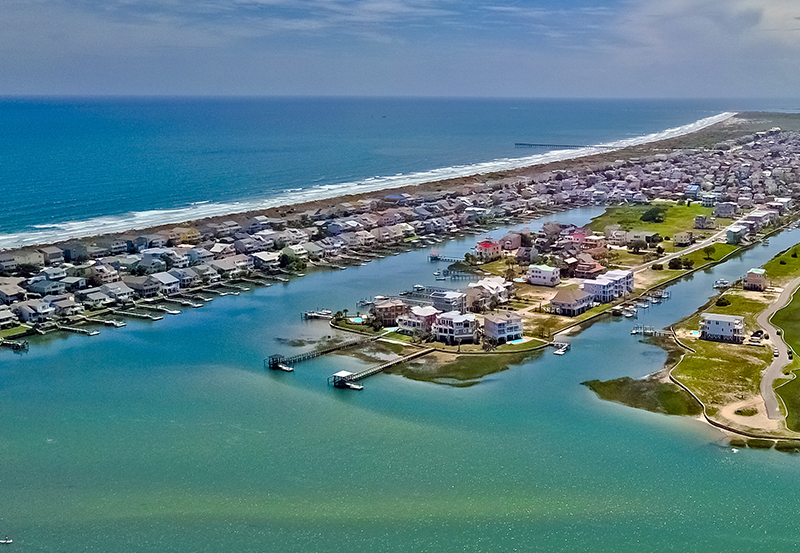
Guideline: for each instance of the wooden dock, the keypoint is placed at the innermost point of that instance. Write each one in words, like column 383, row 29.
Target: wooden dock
column 344, row 379
column 273, row 361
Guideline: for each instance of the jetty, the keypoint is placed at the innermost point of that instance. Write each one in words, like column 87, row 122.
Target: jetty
column 273, row 361
column 347, row 379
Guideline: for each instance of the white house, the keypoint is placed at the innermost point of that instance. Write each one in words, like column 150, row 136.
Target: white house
column 502, row 327
column 169, row 284
column 454, row 328
column 722, row 328
column 543, row 275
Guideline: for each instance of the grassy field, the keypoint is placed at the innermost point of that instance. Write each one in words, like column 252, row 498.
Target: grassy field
column 677, row 218
column 784, row 267
column 721, row 373
column 788, row 320
column 650, row 395
column 457, row 370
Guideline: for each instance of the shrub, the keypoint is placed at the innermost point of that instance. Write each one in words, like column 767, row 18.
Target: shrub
column 722, row 301
column 657, row 266
column 654, row 215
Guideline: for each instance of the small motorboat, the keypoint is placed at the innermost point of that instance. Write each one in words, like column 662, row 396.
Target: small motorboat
column 6, row 540
column 721, row 283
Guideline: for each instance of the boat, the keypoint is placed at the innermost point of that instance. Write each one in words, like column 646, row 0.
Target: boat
column 721, row 283
column 6, row 540
column 559, row 352
column 643, row 305
column 418, row 287
column 437, row 273
column 354, row 386
column 440, row 277
column 285, row 368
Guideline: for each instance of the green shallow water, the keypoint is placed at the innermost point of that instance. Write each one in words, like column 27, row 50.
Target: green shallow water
column 170, row 436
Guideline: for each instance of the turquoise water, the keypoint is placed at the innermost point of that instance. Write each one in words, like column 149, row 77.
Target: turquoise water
column 170, row 436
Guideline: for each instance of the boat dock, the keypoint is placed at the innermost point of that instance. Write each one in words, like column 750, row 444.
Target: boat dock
column 346, row 379
column 15, row 345
column 136, row 315
column 648, row 330
column 436, row 257
column 77, row 330
column 109, row 322
column 561, row 347
column 273, row 361
column 323, row 314
column 159, row 309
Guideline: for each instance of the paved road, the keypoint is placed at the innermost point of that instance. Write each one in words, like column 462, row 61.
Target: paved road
column 693, row 248
column 775, row 369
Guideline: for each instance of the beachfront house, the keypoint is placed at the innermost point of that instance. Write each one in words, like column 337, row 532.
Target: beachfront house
column 570, row 302
column 543, row 275
column 722, row 328
column 52, row 255
column 500, row 328
column 756, row 279
column 453, row 327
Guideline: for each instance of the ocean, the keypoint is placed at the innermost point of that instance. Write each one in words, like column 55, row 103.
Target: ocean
column 81, row 167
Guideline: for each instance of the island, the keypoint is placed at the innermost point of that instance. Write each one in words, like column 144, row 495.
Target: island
column 672, row 207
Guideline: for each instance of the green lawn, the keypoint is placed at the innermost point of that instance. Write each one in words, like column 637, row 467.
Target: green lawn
column 787, row 319
column 720, row 373
column 677, row 218
column 783, row 267
column 10, row 333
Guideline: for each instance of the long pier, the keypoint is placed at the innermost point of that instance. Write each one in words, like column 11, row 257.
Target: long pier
column 273, row 361
column 436, row 257
column 344, row 379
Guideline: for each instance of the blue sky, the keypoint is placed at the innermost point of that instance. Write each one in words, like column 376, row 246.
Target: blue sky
column 545, row 48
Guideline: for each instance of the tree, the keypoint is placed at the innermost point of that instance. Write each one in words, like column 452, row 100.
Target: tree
column 637, row 245
column 655, row 214
column 525, row 240
column 469, row 259
column 660, row 250
column 675, row 263
column 688, row 263
column 709, row 251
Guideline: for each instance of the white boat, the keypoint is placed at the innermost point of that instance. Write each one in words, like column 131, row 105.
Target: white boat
column 559, row 352
column 643, row 305
column 419, row 287
column 437, row 273
column 6, row 541
column 721, row 283
column 441, row 278
column 285, row 368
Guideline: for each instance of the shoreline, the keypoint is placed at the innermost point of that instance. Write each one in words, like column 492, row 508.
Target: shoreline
column 425, row 182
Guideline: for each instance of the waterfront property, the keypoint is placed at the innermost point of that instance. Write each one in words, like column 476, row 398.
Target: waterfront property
column 386, row 312
column 722, row 328
column 755, row 279
column 543, row 275
column 453, row 327
column 570, row 302
column 418, row 320
column 502, row 327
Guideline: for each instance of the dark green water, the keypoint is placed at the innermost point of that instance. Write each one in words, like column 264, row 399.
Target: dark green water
column 170, row 436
